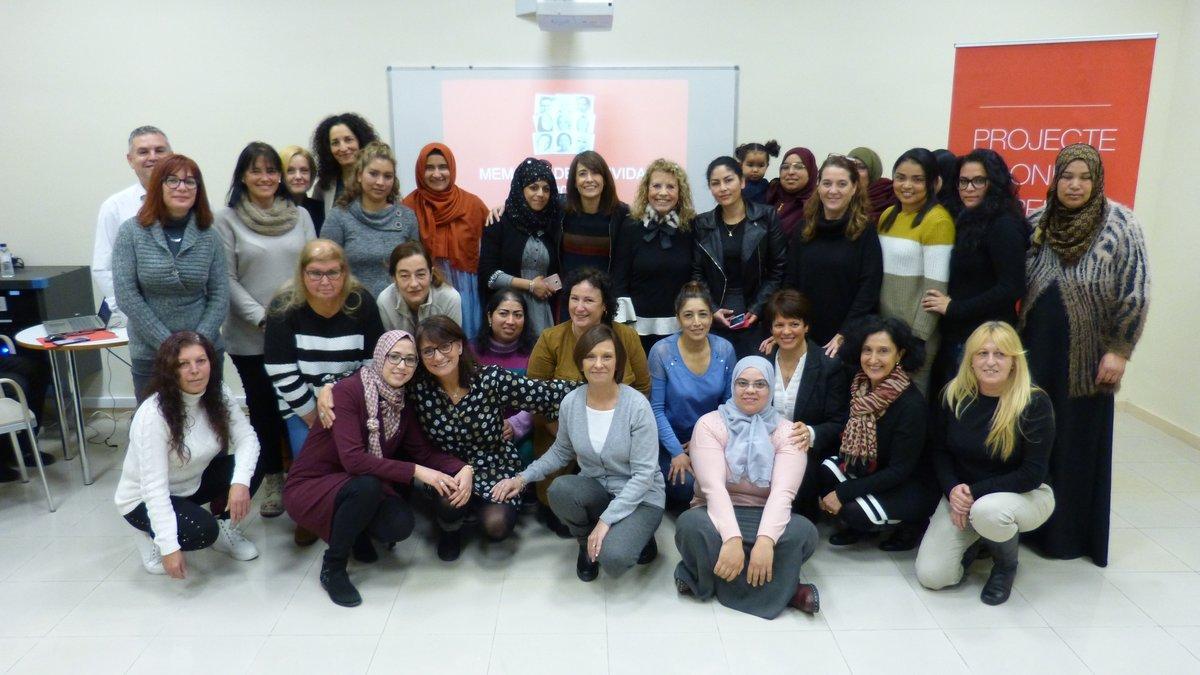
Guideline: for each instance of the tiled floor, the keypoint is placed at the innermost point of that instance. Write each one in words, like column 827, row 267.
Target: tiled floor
column 74, row 599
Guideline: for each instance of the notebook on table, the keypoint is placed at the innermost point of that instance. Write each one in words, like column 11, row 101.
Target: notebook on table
column 79, row 324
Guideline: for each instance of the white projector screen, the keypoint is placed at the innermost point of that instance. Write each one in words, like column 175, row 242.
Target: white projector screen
column 492, row 118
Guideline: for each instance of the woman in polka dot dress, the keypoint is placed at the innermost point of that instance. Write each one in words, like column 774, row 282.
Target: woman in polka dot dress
column 461, row 406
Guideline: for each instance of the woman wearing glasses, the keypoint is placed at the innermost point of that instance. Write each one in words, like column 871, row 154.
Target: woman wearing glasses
column 344, row 487
column 262, row 232
column 320, row 328
column 987, row 265
column 169, row 267
column 462, row 406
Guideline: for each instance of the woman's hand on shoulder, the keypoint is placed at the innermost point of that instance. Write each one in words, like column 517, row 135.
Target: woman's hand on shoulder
column 494, row 216
column 801, row 436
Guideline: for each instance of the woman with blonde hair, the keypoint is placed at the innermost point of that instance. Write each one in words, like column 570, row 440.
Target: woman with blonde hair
column 300, row 172
column 368, row 221
column 652, row 258
column 991, row 445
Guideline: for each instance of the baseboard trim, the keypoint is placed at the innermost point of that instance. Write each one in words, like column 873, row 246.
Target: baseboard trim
column 1170, row 428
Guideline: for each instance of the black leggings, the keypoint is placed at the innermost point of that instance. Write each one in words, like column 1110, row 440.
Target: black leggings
column 910, row 502
column 196, row 527
column 264, row 412
column 361, row 506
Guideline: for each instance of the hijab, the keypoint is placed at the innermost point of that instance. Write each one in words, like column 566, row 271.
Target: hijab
column 534, row 223
column 450, row 220
column 384, row 402
column 790, row 205
column 879, row 189
column 1070, row 232
column 749, row 452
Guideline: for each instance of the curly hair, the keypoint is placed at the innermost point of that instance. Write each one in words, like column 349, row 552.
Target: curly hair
column 373, row 151
column 164, row 381
column 328, row 168
column 859, row 208
column 685, row 208
column 1001, row 198
column 913, row 348
column 598, row 280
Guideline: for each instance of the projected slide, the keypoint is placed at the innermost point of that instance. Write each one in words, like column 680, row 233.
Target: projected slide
column 494, row 118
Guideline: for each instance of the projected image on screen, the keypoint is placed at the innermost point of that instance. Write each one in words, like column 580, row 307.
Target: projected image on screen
column 565, row 124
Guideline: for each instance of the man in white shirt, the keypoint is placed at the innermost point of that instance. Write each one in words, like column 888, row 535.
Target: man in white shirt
column 147, row 145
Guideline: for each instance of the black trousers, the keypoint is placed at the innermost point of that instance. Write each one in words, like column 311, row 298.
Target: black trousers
column 911, row 502
column 264, row 412
column 362, row 507
column 195, row 525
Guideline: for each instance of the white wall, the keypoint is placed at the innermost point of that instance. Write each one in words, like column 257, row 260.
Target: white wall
column 76, row 78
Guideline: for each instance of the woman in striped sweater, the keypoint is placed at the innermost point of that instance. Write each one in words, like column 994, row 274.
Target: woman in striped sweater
column 916, row 237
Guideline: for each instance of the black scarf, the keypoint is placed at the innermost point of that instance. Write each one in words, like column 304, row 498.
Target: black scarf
column 516, row 209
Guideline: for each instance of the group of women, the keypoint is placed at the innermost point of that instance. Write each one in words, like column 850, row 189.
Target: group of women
column 796, row 353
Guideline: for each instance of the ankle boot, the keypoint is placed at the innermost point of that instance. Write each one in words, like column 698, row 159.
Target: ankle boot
column 970, row 555
column 449, row 545
column 1004, row 571
column 337, row 584
column 649, row 552
column 364, row 549
column 585, row 569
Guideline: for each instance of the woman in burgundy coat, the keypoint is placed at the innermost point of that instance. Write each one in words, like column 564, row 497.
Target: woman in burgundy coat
column 343, row 485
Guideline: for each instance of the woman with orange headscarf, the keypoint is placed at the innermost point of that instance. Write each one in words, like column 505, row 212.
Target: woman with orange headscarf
column 451, row 223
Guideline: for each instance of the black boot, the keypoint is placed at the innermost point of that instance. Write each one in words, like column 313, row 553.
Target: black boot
column 846, row 537
column 585, row 569
column 364, row 550
column 1004, row 571
column 449, row 545
column 337, row 584
column 904, row 538
column 649, row 552
column 971, row 555
column 546, row 515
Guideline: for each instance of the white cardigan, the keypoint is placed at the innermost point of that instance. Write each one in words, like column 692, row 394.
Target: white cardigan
column 152, row 474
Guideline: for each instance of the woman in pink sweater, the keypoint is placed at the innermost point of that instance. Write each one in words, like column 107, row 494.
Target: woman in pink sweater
column 747, row 473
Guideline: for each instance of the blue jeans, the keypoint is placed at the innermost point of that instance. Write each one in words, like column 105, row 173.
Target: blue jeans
column 677, row 495
column 297, row 431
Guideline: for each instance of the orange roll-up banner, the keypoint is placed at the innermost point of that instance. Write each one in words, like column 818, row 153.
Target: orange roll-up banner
column 1027, row 101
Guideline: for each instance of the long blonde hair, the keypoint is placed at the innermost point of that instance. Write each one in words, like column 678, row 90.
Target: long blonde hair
column 294, row 294
column 964, row 388
column 685, row 209
column 374, row 150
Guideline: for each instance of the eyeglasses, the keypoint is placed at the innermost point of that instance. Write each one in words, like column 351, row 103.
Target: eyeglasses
column 174, row 182
column 792, row 166
column 396, row 358
column 444, row 348
column 759, row 385
column 317, row 275
column 978, row 182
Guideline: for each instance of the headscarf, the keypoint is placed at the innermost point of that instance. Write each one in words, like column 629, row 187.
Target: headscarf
column 749, row 451
column 879, row 189
column 451, row 221
column 534, row 223
column 790, row 205
column 377, row 391
column 1070, row 232
column 860, row 445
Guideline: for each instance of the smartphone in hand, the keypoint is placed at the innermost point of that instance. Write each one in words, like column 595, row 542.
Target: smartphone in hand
column 554, row 282
column 737, row 321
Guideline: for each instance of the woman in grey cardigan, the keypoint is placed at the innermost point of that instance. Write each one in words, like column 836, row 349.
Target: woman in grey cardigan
column 368, row 221
column 615, row 503
column 262, row 232
column 168, row 267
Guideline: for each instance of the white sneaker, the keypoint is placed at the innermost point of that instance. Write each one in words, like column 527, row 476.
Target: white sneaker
column 272, row 492
column 151, row 558
column 233, row 543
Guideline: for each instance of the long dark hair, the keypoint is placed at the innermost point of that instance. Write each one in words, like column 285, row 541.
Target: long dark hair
column 596, row 164
column 440, row 329
column 525, row 340
column 328, row 169
column 948, row 171
column 1001, row 198
column 929, row 166
column 164, row 381
column 250, row 153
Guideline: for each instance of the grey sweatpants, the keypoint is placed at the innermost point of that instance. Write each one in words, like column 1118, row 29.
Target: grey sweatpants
column 578, row 502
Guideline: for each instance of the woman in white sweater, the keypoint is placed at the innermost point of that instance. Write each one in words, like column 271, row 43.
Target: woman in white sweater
column 189, row 445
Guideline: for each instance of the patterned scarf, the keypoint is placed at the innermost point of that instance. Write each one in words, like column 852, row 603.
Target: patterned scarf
column 516, row 209
column 859, row 442
column 273, row 222
column 376, row 390
column 1069, row 233
column 664, row 227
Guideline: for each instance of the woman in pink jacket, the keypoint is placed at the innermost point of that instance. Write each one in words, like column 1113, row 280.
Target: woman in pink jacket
column 740, row 540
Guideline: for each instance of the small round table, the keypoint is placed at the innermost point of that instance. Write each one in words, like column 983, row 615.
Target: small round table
column 28, row 338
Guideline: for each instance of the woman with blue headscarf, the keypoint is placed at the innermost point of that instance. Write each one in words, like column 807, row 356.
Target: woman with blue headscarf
column 740, row 540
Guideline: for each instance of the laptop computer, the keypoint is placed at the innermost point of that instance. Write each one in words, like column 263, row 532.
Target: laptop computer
column 79, row 324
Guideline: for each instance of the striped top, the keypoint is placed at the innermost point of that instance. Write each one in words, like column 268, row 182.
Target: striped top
column 304, row 350
column 914, row 261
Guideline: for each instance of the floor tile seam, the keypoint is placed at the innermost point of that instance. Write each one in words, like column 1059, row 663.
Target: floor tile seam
column 28, row 649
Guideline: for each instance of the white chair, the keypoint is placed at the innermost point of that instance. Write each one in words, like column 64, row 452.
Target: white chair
column 15, row 417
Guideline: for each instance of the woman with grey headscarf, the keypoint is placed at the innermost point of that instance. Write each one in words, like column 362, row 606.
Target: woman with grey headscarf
column 747, row 473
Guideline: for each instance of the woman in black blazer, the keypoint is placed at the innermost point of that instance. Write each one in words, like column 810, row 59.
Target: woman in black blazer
column 740, row 252
column 521, row 250
column 811, row 390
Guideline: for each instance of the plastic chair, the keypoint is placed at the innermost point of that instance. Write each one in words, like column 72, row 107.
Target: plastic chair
column 15, row 417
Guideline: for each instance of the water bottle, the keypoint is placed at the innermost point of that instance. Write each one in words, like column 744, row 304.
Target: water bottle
column 6, row 263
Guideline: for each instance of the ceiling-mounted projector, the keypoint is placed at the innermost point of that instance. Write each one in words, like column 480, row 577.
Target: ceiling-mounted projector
column 568, row 15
